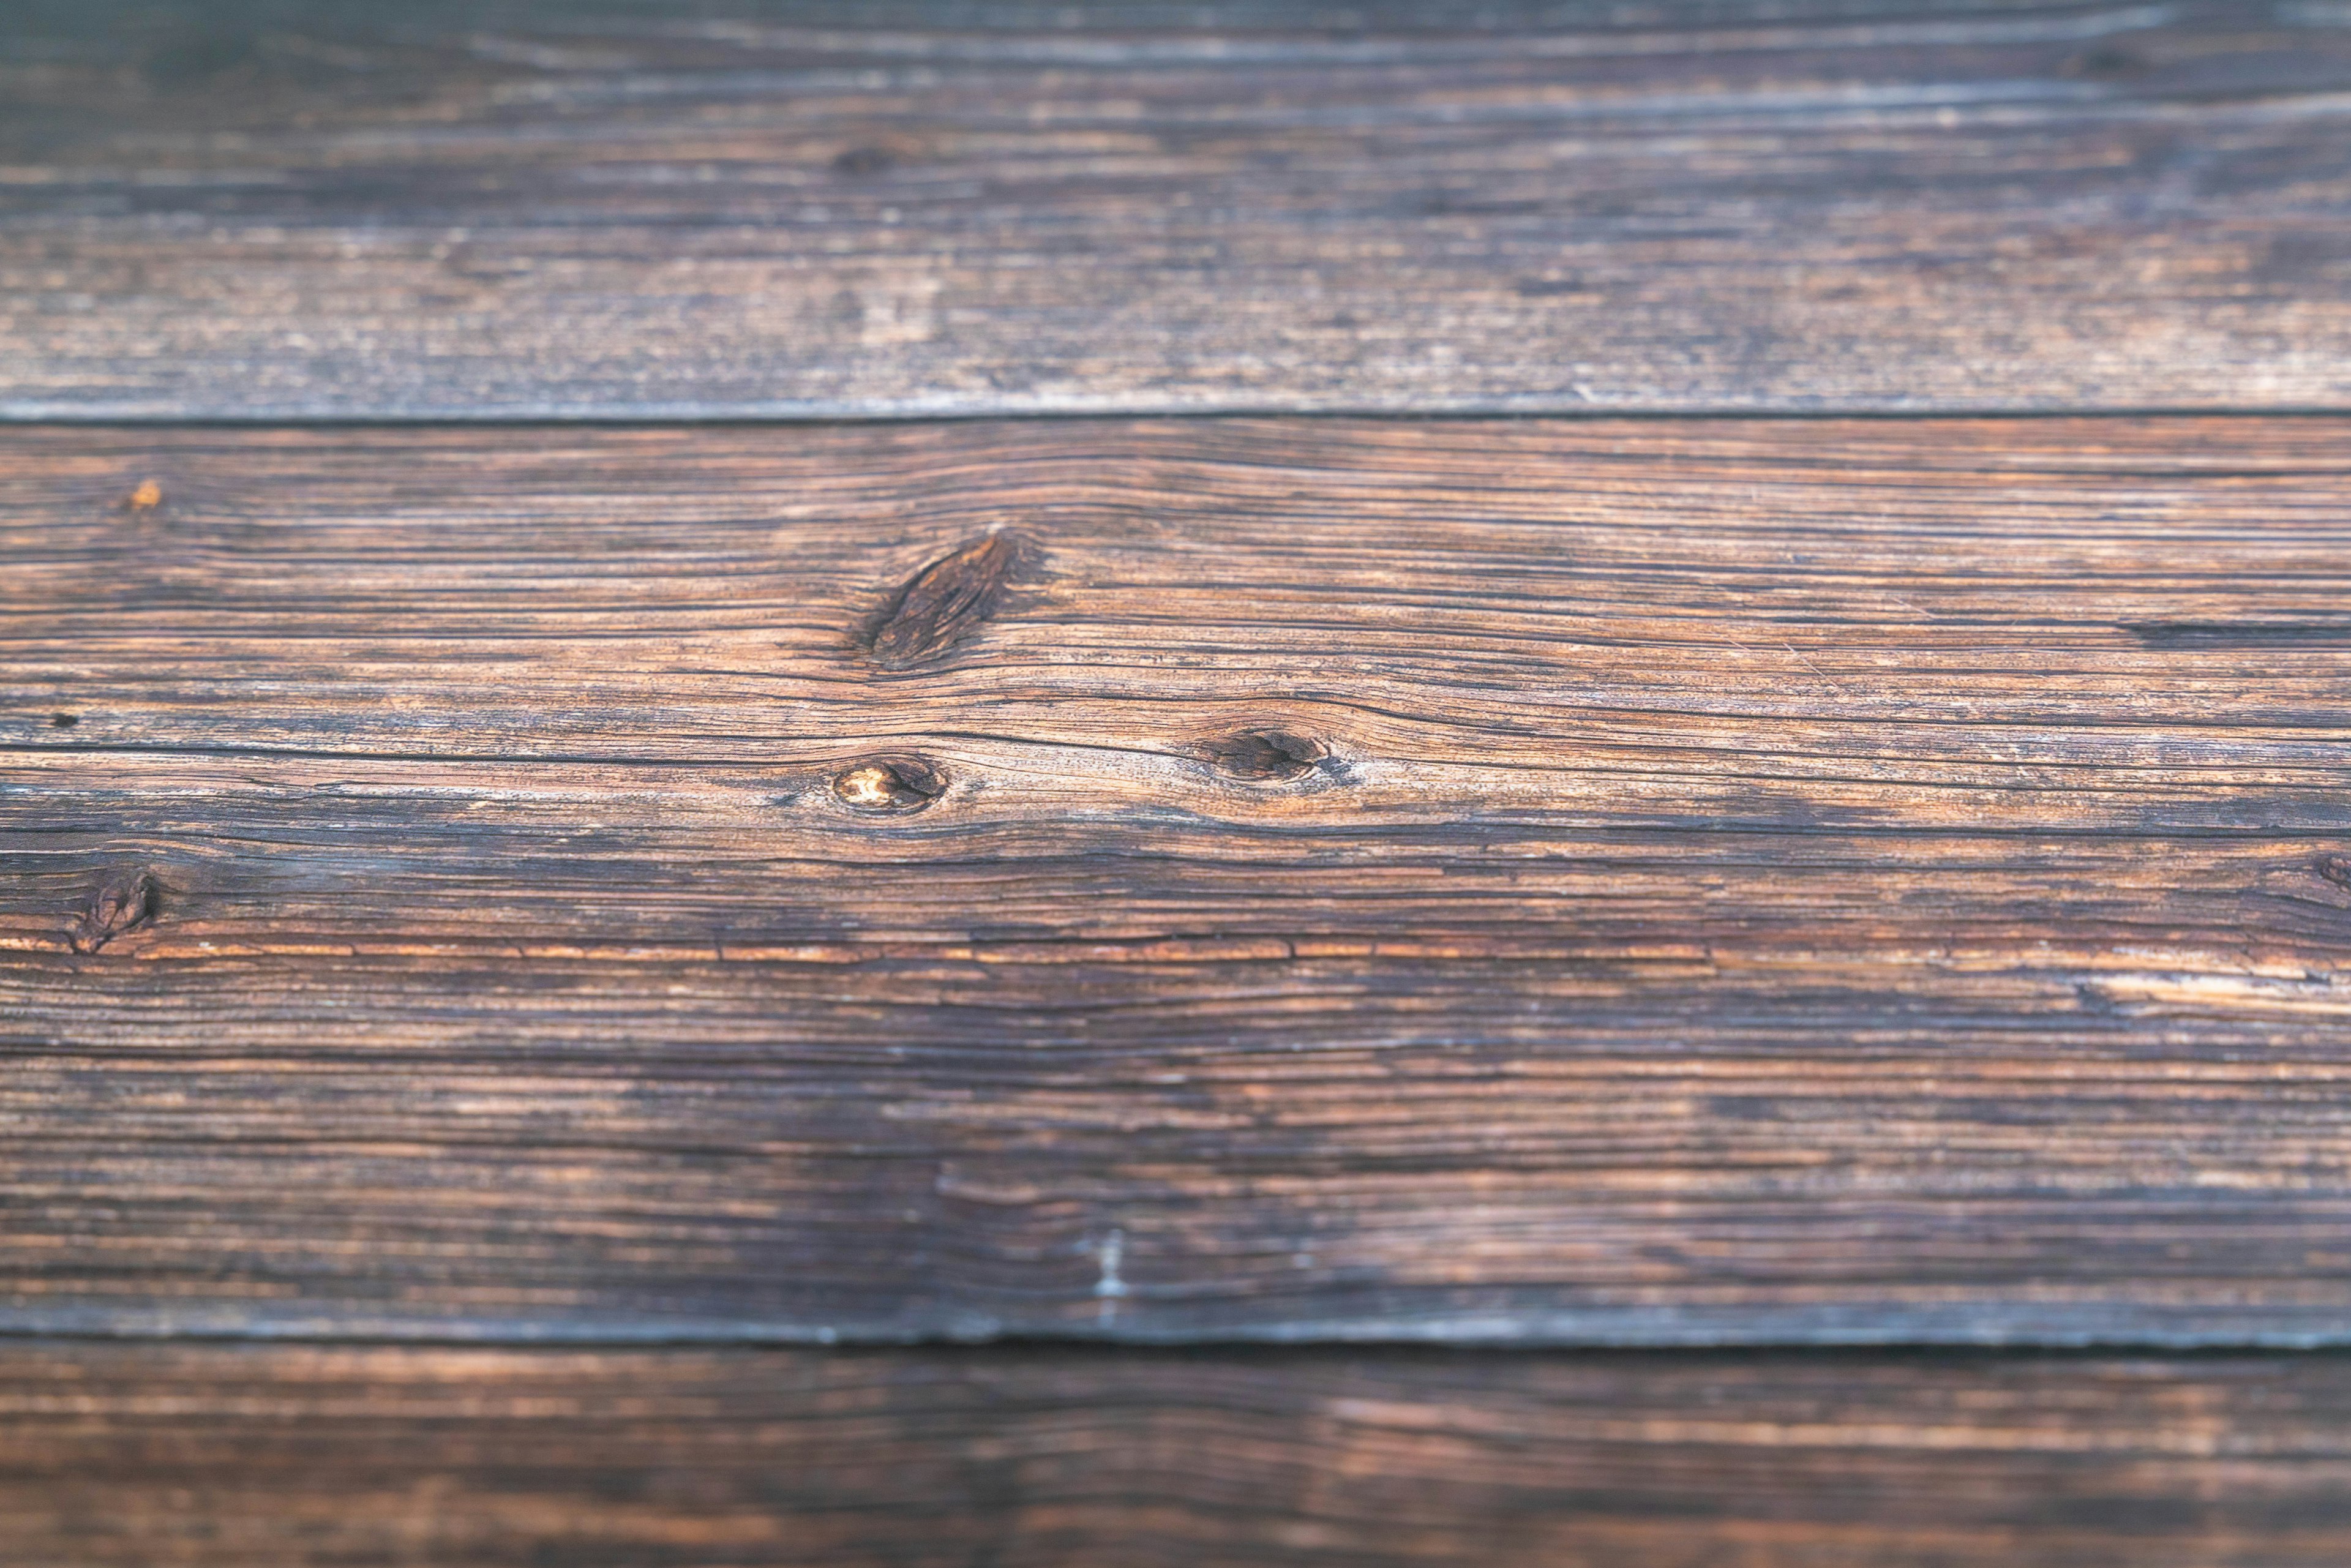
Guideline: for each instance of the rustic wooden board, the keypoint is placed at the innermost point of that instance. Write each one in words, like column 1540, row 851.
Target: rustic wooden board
column 1554, row 881
column 257, row 208
column 173, row 1456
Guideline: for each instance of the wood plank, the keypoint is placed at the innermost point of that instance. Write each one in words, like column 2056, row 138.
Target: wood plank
column 1553, row 881
column 180, row 1455
column 253, row 208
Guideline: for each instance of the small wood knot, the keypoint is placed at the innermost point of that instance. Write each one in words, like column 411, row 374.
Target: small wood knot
column 2106, row 61
column 2336, row 869
column 124, row 902
column 147, row 498
column 944, row 601
column 200, row 57
column 865, row 161
column 64, row 720
column 1267, row 755
column 891, row 784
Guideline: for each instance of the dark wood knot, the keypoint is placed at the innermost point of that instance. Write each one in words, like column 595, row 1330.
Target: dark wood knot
column 2336, row 869
column 865, row 161
column 64, row 720
column 1267, row 756
column 124, row 902
column 200, row 57
column 898, row 784
column 946, row 600
column 2104, row 62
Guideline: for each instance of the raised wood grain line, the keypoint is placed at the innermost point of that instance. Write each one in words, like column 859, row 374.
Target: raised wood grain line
column 246, row 209
column 176, row 1456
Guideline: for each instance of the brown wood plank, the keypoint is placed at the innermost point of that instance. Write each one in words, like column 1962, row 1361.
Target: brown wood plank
column 1557, row 881
column 177, row 1455
column 257, row 208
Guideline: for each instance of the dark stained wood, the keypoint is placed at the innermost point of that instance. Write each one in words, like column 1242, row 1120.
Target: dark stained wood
column 1520, row 880
column 255, row 1457
column 256, row 208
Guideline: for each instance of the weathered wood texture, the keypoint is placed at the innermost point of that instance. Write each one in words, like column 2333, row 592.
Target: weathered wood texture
column 250, row 208
column 1549, row 880
column 175, row 1457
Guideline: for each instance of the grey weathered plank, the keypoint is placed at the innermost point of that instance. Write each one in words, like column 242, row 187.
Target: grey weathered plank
column 262, row 209
column 274, row 1456
column 1515, row 880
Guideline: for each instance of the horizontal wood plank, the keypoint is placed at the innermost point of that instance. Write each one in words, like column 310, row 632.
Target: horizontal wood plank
column 274, row 1456
column 264, row 209
column 1552, row 881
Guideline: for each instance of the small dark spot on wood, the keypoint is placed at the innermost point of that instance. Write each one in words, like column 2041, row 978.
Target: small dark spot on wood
column 891, row 784
column 1265, row 756
column 944, row 601
column 2336, row 869
column 866, row 160
column 2095, row 999
column 2104, row 62
column 200, row 57
column 64, row 720
column 124, row 902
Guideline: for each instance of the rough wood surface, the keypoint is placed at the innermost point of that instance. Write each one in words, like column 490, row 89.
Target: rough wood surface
column 256, row 208
column 176, row 1456
column 1571, row 880
column 278, row 1456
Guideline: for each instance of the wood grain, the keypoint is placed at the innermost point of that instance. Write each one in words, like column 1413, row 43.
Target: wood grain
column 253, row 208
column 256, row 1457
column 1526, row 881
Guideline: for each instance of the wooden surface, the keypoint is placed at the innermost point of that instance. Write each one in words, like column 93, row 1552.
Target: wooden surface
column 255, row 1456
column 550, row 971
column 246, row 208
column 1556, row 880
